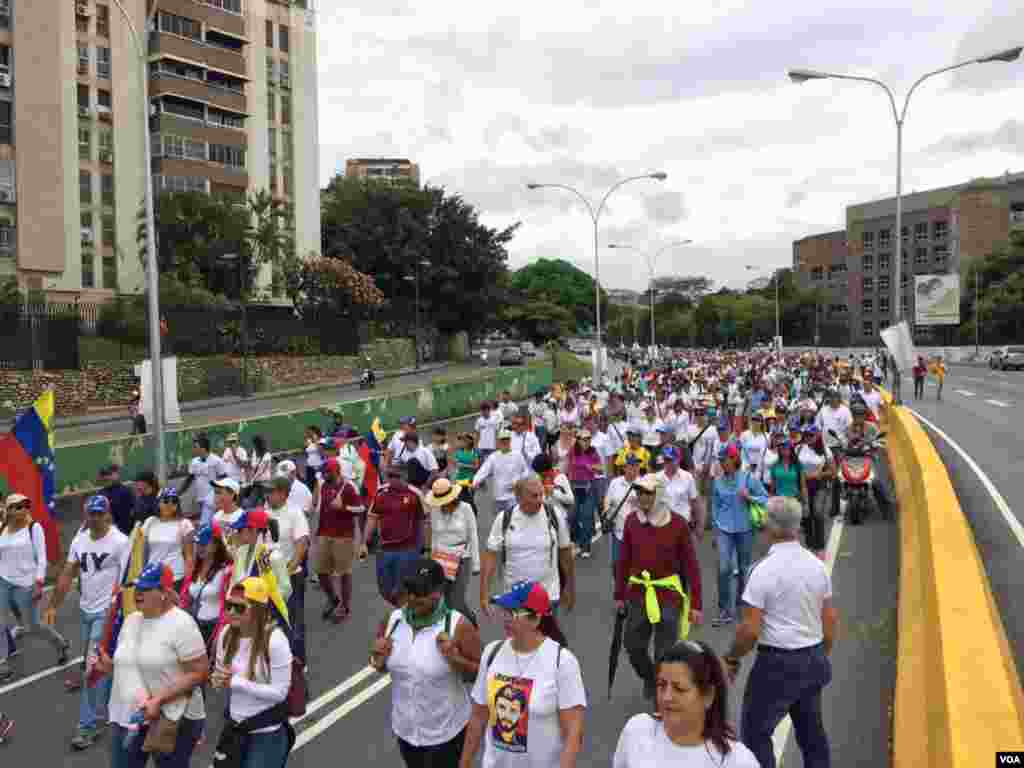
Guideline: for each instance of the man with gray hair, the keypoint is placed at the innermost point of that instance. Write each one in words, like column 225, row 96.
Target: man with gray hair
column 789, row 616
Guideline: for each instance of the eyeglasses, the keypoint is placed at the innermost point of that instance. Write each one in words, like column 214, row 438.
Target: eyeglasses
column 515, row 613
column 236, row 608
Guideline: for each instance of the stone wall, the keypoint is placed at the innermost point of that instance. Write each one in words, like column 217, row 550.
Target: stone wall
column 95, row 386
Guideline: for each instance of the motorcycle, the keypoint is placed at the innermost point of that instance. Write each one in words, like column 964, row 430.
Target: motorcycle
column 368, row 379
column 856, row 462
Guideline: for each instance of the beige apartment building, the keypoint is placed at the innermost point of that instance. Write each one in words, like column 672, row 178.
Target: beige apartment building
column 384, row 168
column 232, row 109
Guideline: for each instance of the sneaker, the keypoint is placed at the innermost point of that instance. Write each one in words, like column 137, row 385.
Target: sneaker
column 14, row 652
column 17, row 631
column 83, row 740
column 329, row 609
column 585, row 554
column 62, row 654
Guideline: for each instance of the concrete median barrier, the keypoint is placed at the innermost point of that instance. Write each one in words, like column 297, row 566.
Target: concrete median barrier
column 958, row 696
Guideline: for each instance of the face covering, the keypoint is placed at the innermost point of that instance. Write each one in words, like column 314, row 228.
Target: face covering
column 420, row 622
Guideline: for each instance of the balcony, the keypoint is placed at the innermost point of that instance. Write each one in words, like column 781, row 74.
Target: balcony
column 208, row 14
column 198, row 51
column 197, row 91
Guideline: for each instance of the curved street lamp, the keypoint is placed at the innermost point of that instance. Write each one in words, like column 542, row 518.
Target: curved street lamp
column 651, row 259
column 595, row 216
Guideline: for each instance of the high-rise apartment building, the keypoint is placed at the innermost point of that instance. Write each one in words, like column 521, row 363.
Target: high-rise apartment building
column 232, row 109
column 384, row 168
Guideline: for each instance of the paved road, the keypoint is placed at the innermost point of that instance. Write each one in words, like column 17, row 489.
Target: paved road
column 351, row 706
column 981, row 412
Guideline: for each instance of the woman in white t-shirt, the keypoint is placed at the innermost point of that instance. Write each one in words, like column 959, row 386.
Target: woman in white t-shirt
column 209, row 580
column 528, row 699
column 313, row 458
column 689, row 729
column 254, row 663
column 168, row 537
column 159, row 668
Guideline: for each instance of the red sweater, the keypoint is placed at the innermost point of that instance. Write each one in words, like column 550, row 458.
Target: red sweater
column 661, row 552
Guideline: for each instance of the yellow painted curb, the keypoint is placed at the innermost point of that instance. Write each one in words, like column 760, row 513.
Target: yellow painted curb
column 958, row 695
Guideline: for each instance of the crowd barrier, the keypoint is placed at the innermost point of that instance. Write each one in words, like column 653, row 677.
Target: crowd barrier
column 958, row 696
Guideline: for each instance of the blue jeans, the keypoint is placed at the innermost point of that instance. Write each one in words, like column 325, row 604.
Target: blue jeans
column 391, row 567
column 94, row 701
column 266, row 750
column 583, row 520
column 738, row 546
column 781, row 683
column 11, row 594
column 189, row 732
column 297, row 614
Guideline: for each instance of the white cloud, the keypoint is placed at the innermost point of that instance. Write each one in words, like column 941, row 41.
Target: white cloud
column 587, row 92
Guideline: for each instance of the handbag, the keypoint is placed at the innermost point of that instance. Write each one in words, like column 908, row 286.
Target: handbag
column 758, row 513
column 161, row 736
column 298, row 691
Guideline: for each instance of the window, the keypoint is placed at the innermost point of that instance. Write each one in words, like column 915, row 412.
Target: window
column 883, row 283
column 179, row 183
column 103, row 98
column 284, row 38
column 818, row 273
column 868, row 305
column 225, row 119
column 218, row 80
column 174, row 146
column 84, row 142
column 88, row 268
column 85, row 220
column 234, row 6
column 286, row 147
column 109, row 230
column 286, row 78
column 868, row 239
column 103, row 62
column 883, row 262
column 869, row 261
column 286, row 109
column 838, row 308
column 195, row 150
column 6, row 236
column 233, row 157
column 270, row 33
column 883, row 238
column 905, row 234
column 905, row 259
column 177, row 69
column 941, row 254
column 6, row 133
column 5, row 14
column 941, row 230
column 271, row 70
column 883, row 304
column 110, row 271
column 83, row 96
column 186, row 109
column 271, row 110
column 904, row 280
column 272, row 141
column 85, row 187
column 869, row 283
column 5, row 57
column 106, row 140
column 179, row 25
column 107, row 189
column 286, row 181
column 869, row 328
column 921, row 232
column 273, row 178
column 82, row 24
column 83, row 59
column 103, row 20
column 920, row 256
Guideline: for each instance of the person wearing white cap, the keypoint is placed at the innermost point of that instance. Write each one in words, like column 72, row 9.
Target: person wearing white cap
column 204, row 469
column 506, row 467
column 226, row 500
column 299, row 496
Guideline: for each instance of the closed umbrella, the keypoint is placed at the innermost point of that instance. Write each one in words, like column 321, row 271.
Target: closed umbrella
column 616, row 650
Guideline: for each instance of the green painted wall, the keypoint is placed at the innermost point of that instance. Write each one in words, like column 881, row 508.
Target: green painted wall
column 77, row 464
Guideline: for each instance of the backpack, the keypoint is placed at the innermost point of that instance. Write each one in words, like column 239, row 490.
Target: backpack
column 506, row 522
column 498, row 646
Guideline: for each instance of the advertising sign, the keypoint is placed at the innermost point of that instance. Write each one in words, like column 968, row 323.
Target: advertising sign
column 937, row 300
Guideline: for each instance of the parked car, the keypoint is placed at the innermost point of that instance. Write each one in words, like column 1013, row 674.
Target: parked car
column 510, row 356
column 1006, row 358
column 528, row 349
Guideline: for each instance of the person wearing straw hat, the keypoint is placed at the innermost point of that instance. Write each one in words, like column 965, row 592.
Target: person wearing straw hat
column 454, row 540
column 236, row 459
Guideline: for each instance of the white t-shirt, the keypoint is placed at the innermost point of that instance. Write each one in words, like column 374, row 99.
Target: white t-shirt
column 532, row 548
column 208, row 594
column 525, row 694
column 165, row 540
column 233, row 461
column 148, row 659
column 23, row 555
column 102, row 563
column 205, row 472
column 873, row 400
column 313, row 457
column 837, row 420
column 250, row 697
column 753, row 447
column 292, row 526
column 300, row 497
column 680, row 492
column 487, row 429
column 644, row 744
column 617, row 490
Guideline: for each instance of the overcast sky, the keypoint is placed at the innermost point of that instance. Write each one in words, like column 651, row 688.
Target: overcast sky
column 588, row 92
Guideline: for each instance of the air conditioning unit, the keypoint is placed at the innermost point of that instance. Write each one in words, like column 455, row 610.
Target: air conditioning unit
column 6, row 195
column 82, row 9
column 5, row 79
column 106, row 156
column 86, row 235
column 84, row 112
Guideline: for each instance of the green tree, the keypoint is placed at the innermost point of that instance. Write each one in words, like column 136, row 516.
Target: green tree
column 559, row 282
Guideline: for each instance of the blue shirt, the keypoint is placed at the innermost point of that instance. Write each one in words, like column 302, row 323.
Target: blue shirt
column 729, row 512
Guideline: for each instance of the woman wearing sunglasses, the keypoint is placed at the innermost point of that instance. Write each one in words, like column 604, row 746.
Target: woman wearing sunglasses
column 689, row 728
column 156, row 705
column 528, row 699
column 254, row 663
column 431, row 652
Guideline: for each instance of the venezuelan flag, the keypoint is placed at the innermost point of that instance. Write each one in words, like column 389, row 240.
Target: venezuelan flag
column 27, row 465
column 370, row 450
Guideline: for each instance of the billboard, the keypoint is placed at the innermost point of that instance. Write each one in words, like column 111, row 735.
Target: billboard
column 937, row 300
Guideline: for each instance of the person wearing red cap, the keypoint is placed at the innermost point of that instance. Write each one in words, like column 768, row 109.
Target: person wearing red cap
column 252, row 544
column 335, row 540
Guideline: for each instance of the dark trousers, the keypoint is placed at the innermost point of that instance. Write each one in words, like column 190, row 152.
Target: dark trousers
column 781, row 683
column 918, row 387
column 297, row 614
column 446, row 755
column 126, row 747
column 637, row 637
column 814, row 522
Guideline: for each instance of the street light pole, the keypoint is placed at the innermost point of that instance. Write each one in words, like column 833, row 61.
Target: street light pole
column 778, row 320
column 152, row 279
column 651, row 259
column 416, row 280
column 595, row 216
column 803, row 75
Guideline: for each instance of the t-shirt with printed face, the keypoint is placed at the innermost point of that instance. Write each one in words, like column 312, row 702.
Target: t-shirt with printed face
column 101, row 563
column 524, row 694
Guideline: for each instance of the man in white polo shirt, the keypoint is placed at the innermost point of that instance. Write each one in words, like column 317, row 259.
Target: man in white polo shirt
column 788, row 614
column 681, row 491
column 506, row 467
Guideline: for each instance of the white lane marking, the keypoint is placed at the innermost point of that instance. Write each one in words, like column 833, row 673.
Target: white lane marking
column 964, row 392
column 782, row 731
column 1011, row 520
column 327, row 697
column 38, row 676
column 998, row 403
column 364, row 695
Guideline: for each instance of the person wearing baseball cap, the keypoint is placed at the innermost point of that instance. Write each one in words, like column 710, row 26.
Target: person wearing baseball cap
column 209, row 579
column 505, row 467
column 255, row 546
column 171, row 671
column 203, row 470
column 122, row 500
column 546, row 701
column 293, row 542
column 227, row 499
column 99, row 554
column 336, row 540
column 395, row 451
column 299, row 494
column 634, row 437
column 681, row 491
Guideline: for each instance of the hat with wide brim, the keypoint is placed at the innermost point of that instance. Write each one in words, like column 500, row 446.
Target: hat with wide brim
column 442, row 492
